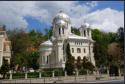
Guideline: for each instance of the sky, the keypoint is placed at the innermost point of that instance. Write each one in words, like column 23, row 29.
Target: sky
column 106, row 16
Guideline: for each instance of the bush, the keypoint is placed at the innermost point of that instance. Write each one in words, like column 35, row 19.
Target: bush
column 89, row 66
column 43, row 73
column 114, row 69
column 56, row 71
column 82, row 72
column 48, row 73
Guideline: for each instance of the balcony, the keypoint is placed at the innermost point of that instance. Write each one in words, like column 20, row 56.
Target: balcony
column 7, row 54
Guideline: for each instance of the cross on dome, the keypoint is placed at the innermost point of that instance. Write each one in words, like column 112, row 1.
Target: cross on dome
column 61, row 8
column 84, row 20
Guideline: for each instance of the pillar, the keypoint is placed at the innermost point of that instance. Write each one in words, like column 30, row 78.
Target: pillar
column 77, row 73
column 119, row 73
column 97, row 72
column 52, row 73
column 10, row 76
column 39, row 74
column 65, row 73
column 87, row 72
column 26, row 75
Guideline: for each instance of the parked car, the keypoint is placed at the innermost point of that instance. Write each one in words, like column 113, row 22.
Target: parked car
column 31, row 70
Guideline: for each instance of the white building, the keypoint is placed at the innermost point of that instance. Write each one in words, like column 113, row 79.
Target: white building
column 53, row 51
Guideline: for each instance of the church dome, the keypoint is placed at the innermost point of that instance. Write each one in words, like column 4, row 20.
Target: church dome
column 61, row 15
column 61, row 22
column 85, row 25
column 47, row 43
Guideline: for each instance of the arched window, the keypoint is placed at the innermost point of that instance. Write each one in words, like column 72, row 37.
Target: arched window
column 84, row 59
column 73, row 59
column 84, row 50
column 47, row 59
column 59, row 31
column 88, row 32
column 62, row 30
column 84, row 33
column 77, row 43
column 78, row 59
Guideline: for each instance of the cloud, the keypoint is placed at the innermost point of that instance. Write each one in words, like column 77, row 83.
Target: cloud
column 93, row 4
column 13, row 13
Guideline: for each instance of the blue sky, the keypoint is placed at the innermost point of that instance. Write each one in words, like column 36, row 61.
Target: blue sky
column 103, row 15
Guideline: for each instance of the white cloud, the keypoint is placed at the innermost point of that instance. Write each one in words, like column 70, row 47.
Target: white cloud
column 93, row 4
column 12, row 14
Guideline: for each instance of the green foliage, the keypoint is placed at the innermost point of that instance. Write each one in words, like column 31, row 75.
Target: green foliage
column 4, row 68
column 48, row 32
column 68, row 53
column 82, row 72
column 69, row 67
column 113, row 37
column 32, row 33
column 120, row 38
column 89, row 66
column 43, row 73
column 75, row 30
column 99, row 53
column 97, row 35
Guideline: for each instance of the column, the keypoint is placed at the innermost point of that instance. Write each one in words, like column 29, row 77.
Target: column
column 87, row 72
column 10, row 76
column 90, row 33
column 65, row 73
column 76, row 72
column 119, row 73
column 52, row 73
column 39, row 74
column 108, row 73
column 86, row 33
column 26, row 75
column 97, row 72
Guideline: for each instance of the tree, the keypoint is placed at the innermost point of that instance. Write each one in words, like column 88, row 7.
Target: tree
column 75, row 30
column 113, row 37
column 48, row 32
column 5, row 68
column 97, row 35
column 4, row 27
column 89, row 66
column 68, row 53
column 20, row 43
column 120, row 38
column 99, row 54
column 68, row 65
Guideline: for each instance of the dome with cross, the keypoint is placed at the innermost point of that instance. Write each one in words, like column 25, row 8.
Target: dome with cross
column 85, row 24
column 61, row 15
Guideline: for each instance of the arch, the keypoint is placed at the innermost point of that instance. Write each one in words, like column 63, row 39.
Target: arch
column 78, row 59
column 84, row 33
column 84, row 59
column 73, row 59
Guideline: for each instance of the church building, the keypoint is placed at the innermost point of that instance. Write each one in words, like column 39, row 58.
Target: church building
column 53, row 51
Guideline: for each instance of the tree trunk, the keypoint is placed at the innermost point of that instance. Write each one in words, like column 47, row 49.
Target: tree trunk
column 4, row 76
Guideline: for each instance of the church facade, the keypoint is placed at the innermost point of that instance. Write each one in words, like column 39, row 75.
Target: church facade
column 53, row 51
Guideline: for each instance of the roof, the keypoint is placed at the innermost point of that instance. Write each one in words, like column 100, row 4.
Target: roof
column 73, row 36
column 1, row 29
column 48, row 42
column 62, row 15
